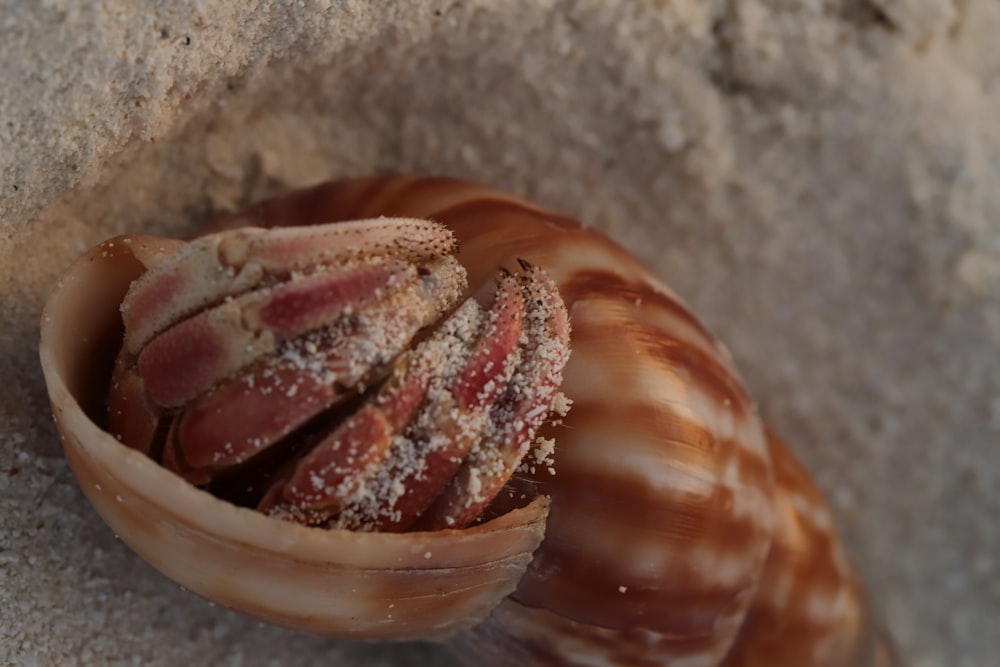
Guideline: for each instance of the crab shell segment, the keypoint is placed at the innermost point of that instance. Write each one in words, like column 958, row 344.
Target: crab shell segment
column 333, row 582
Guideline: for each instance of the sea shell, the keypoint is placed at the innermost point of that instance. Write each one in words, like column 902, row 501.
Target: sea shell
column 680, row 531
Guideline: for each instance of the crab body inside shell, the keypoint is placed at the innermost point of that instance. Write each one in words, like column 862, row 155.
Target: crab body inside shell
column 333, row 375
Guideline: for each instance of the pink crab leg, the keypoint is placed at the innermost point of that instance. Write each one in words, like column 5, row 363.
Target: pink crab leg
column 455, row 386
column 451, row 424
column 314, row 489
column 191, row 356
column 242, row 417
column 247, row 413
column 517, row 416
column 211, row 268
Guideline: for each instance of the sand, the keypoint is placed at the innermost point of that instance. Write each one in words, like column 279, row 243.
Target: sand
column 818, row 179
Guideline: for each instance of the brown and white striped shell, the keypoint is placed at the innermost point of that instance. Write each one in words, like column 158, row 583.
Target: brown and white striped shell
column 677, row 530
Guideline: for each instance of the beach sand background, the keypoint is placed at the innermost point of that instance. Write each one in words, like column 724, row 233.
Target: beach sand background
column 820, row 180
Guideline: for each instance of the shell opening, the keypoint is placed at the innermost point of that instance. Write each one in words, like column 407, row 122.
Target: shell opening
column 362, row 392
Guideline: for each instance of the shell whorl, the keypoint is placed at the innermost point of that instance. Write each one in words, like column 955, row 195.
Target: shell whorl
column 680, row 531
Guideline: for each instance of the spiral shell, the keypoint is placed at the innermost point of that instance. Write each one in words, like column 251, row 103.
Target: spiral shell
column 677, row 530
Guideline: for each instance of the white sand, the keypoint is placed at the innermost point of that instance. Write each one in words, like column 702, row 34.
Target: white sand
column 821, row 180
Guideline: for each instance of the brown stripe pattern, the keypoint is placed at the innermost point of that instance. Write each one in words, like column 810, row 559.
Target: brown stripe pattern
column 679, row 532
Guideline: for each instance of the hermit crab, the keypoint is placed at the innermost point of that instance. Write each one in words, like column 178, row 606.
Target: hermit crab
column 407, row 407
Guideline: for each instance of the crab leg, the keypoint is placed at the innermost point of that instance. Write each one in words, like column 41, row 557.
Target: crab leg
column 252, row 341
column 516, row 415
column 132, row 417
column 409, row 454
column 193, row 355
column 244, row 414
column 314, row 489
column 210, row 268
column 484, row 383
column 451, row 421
